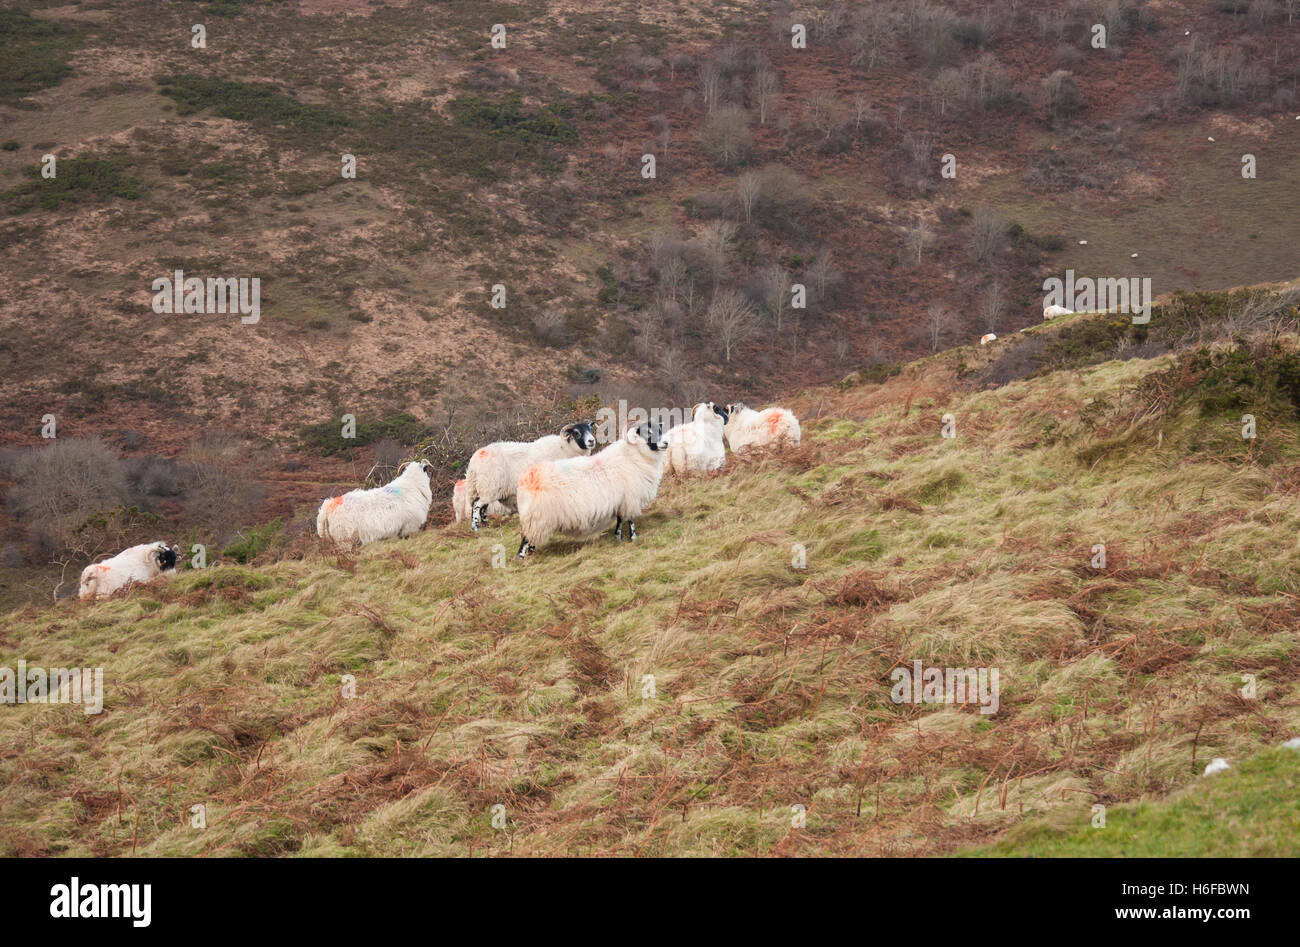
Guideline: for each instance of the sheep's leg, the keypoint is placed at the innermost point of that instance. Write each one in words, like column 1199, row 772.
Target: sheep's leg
column 618, row 530
column 525, row 547
column 476, row 516
column 631, row 531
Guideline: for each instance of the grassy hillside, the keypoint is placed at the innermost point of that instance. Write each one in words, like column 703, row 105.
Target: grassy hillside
column 525, row 685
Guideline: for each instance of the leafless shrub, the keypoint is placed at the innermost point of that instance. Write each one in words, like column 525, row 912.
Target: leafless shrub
column 732, row 320
column 549, row 324
column 987, row 233
column 726, row 136
column 918, row 237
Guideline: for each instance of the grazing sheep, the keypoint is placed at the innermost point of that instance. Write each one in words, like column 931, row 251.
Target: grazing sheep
column 494, row 470
column 137, row 564
column 460, row 504
column 582, row 495
column 696, row 448
column 364, row 516
column 1051, row 312
column 771, row 427
column 987, row 338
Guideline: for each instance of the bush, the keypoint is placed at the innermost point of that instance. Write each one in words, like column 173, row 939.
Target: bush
column 33, row 53
column 77, row 181
column 252, row 542
column 59, row 486
column 726, row 136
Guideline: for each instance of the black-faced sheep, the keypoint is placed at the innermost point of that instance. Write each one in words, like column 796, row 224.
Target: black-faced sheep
column 137, row 564
column 493, row 473
column 581, row 495
column 696, row 448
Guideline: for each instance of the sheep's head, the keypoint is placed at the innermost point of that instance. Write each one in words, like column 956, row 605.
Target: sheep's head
column 583, row 437
column 724, row 413
column 165, row 556
column 648, row 435
column 732, row 408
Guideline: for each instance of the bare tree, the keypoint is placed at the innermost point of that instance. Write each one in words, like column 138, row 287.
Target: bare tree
column 732, row 319
column 988, row 230
column 726, row 135
column 823, row 276
column 748, row 187
column 776, row 291
column 766, row 86
column 714, row 242
column 824, row 111
column 710, row 85
column 663, row 132
column 918, row 237
column 993, row 305
column 938, row 322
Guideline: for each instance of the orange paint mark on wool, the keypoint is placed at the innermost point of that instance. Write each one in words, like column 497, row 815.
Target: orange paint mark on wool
column 484, row 452
column 773, row 419
column 334, row 504
column 532, row 480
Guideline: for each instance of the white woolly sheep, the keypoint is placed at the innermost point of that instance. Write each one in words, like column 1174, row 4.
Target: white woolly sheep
column 1051, row 312
column 460, row 504
column 493, row 473
column 771, row 427
column 137, row 564
column 581, row 495
column 1217, row 765
column 696, row 448
column 987, row 338
column 365, row 516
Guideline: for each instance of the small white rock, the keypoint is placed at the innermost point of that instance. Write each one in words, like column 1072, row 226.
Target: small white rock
column 1083, row 243
column 1211, row 139
column 1217, row 765
column 1187, row 32
column 1291, row 744
column 1132, row 256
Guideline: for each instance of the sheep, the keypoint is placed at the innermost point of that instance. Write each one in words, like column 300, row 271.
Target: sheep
column 581, row 495
column 696, row 447
column 987, row 338
column 460, row 504
column 137, row 564
column 1217, row 765
column 770, row 427
column 493, row 473
column 364, row 516
column 1051, row 312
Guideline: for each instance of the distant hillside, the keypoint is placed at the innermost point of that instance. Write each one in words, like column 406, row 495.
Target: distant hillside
column 689, row 693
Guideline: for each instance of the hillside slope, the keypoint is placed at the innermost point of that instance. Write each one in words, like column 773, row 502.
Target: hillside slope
column 526, row 686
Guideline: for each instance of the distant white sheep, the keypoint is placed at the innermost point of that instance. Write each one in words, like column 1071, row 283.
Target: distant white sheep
column 460, row 504
column 137, row 564
column 1051, row 312
column 493, row 473
column 771, row 427
column 987, row 338
column 581, row 495
column 366, row 516
column 1217, row 765
column 696, row 448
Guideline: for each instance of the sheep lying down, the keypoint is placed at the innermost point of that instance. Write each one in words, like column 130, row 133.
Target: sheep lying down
column 366, row 516
column 579, row 496
column 138, row 564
